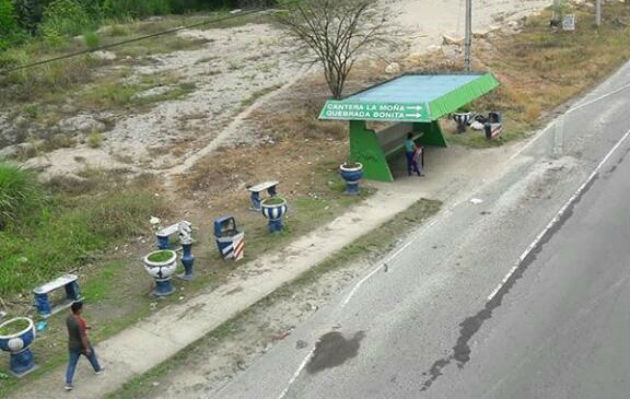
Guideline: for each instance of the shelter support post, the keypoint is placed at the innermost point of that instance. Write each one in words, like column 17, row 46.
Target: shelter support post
column 432, row 133
column 366, row 149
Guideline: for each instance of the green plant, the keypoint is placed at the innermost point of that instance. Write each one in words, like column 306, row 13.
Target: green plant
column 8, row 24
column 119, row 30
column 559, row 8
column 31, row 110
column 72, row 232
column 14, row 327
column 160, row 256
column 273, row 201
column 92, row 40
column 20, row 196
column 29, row 13
column 65, row 17
column 95, row 139
column 135, row 8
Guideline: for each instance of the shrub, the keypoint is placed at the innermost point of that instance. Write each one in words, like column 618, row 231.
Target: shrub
column 92, row 40
column 72, row 232
column 65, row 17
column 29, row 13
column 135, row 9
column 20, row 196
column 31, row 83
column 119, row 30
column 95, row 139
column 9, row 28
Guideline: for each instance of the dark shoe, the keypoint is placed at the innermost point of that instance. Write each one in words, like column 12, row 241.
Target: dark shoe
column 68, row 387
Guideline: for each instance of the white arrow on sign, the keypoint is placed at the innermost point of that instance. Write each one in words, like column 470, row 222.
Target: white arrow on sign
column 418, row 115
column 417, row 108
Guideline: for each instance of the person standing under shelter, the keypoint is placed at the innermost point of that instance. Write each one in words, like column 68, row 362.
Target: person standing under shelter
column 412, row 151
column 78, row 343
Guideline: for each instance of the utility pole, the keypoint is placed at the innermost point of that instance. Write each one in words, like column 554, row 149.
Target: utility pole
column 468, row 39
column 556, row 6
column 598, row 12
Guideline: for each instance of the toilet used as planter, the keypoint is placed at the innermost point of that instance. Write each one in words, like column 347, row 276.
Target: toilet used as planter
column 17, row 343
column 161, row 271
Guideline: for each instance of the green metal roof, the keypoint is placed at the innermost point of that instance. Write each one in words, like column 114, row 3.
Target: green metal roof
column 411, row 97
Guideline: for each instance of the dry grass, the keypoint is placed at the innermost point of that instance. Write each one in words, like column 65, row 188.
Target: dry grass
column 541, row 68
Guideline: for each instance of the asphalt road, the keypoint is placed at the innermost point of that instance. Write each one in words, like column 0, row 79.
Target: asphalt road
column 458, row 313
column 564, row 330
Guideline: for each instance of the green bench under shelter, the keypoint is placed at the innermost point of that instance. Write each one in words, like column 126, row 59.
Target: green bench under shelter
column 415, row 101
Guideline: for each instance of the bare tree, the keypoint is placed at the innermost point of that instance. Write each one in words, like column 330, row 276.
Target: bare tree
column 336, row 32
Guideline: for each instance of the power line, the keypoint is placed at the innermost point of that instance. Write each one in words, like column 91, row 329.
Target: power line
column 137, row 39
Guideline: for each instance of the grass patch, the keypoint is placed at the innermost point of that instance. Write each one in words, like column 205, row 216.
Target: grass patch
column 112, row 94
column 368, row 247
column 160, row 256
column 99, row 286
column 258, row 94
column 14, row 327
column 71, row 232
column 159, row 45
column 44, row 81
column 95, row 139
column 274, row 201
column 92, row 40
column 20, row 198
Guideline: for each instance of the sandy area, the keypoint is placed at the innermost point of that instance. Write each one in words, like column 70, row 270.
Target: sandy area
column 428, row 20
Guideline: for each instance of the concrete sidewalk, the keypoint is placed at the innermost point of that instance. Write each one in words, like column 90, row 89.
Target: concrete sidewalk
column 451, row 175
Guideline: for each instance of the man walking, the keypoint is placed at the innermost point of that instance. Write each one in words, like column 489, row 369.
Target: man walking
column 78, row 343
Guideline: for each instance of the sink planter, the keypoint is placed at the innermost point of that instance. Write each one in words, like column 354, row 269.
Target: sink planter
column 463, row 120
column 161, row 265
column 16, row 335
column 273, row 209
column 352, row 174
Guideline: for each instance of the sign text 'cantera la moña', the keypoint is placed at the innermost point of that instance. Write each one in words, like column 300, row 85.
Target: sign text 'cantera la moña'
column 371, row 111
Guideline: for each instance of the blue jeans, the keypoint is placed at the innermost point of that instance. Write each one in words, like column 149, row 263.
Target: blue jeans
column 412, row 163
column 74, row 359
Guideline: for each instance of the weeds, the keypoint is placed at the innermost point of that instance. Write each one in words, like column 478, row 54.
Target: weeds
column 72, row 232
column 20, row 197
column 258, row 94
column 92, row 40
column 119, row 30
column 95, row 139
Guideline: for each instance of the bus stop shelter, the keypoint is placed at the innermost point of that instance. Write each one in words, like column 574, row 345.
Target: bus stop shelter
column 414, row 102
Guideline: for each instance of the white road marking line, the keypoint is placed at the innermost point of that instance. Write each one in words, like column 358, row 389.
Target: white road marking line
column 380, row 265
column 558, row 215
column 358, row 285
column 595, row 100
column 532, row 141
column 552, row 123
column 297, row 373
column 347, row 299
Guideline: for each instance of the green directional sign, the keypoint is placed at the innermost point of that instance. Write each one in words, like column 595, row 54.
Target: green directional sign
column 349, row 110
